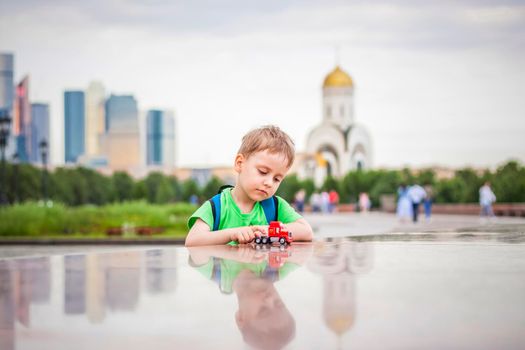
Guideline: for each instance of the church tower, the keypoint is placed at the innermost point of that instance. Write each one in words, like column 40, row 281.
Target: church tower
column 338, row 144
column 338, row 99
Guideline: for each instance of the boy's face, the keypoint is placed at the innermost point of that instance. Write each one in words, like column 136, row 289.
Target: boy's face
column 261, row 174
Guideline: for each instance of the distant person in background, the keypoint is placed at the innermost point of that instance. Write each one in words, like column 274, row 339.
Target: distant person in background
column 333, row 198
column 416, row 194
column 299, row 200
column 325, row 202
column 427, row 202
column 364, row 202
column 404, row 205
column 315, row 202
column 194, row 199
column 486, row 198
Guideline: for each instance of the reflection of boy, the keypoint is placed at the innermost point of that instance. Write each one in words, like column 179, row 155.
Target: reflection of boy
column 263, row 160
column 262, row 317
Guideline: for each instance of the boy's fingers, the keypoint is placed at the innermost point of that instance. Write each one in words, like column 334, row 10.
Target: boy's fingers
column 246, row 236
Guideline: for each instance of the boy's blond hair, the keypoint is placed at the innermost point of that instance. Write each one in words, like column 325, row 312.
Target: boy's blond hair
column 271, row 138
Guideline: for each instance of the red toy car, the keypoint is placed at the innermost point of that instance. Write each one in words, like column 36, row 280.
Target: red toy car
column 276, row 233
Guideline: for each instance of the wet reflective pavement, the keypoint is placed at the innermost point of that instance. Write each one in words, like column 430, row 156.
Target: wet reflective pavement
column 337, row 293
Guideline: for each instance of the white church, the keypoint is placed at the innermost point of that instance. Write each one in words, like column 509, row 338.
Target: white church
column 337, row 145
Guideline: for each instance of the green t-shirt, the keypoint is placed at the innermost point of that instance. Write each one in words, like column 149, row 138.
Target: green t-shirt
column 231, row 215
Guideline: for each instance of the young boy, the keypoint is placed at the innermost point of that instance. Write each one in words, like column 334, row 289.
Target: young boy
column 264, row 158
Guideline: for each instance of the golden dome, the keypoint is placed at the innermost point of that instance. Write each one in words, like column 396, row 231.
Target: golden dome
column 338, row 78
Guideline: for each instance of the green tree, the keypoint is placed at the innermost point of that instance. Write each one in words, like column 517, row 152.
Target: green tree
column 27, row 182
column 60, row 188
column 100, row 187
column 509, row 183
column 165, row 192
column 152, row 182
column 212, row 187
column 386, row 182
column 140, row 190
column 469, row 193
column 331, row 183
column 450, row 191
column 189, row 188
column 426, row 177
column 79, row 186
column 177, row 190
column 309, row 187
column 289, row 187
column 123, row 186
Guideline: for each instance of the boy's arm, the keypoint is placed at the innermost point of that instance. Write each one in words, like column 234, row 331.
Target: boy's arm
column 200, row 234
column 301, row 230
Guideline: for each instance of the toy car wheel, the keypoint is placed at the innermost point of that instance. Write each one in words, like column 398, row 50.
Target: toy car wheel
column 258, row 240
column 265, row 240
column 282, row 240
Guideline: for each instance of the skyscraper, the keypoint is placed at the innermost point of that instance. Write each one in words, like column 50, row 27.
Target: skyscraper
column 74, row 117
column 7, row 91
column 122, row 143
column 22, row 120
column 6, row 81
column 39, row 129
column 160, row 138
column 95, row 117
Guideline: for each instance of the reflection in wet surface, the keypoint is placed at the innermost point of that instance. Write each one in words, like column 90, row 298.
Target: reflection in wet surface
column 329, row 294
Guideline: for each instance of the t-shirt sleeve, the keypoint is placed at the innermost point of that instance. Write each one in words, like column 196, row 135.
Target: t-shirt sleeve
column 204, row 213
column 286, row 212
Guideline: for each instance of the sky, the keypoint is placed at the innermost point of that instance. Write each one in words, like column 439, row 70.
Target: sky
column 436, row 82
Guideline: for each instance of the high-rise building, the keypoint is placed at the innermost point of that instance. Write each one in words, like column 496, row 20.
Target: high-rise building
column 22, row 120
column 6, row 81
column 7, row 91
column 95, row 118
column 39, row 129
column 74, row 117
column 121, row 142
column 160, row 138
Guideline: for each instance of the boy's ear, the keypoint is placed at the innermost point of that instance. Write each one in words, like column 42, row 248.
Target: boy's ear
column 239, row 160
column 239, row 320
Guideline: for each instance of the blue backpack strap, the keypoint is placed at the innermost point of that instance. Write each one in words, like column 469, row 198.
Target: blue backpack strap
column 271, row 208
column 215, row 202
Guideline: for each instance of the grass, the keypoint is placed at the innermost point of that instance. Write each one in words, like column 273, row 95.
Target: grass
column 39, row 221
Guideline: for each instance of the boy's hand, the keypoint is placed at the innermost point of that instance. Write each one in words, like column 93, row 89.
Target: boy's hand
column 246, row 234
column 260, row 230
column 243, row 235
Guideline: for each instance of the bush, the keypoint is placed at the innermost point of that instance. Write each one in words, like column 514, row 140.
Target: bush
column 32, row 219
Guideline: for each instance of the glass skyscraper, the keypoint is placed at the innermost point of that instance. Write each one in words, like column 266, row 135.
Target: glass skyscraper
column 122, row 143
column 122, row 114
column 74, row 125
column 7, row 91
column 160, row 138
column 6, row 81
column 39, row 129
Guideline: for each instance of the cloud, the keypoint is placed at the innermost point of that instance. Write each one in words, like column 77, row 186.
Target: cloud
column 425, row 25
